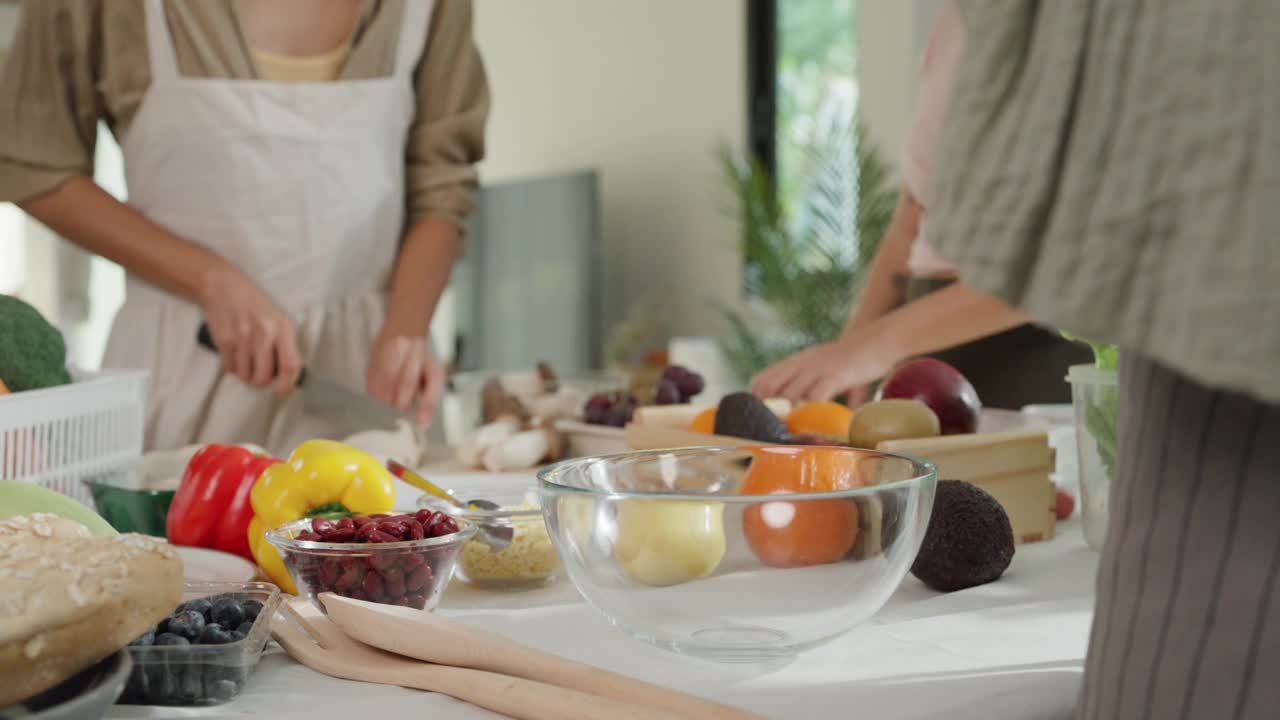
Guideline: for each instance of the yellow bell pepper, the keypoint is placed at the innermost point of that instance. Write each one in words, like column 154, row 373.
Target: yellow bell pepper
column 319, row 475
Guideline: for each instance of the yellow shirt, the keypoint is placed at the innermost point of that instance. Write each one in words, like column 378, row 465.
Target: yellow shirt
column 310, row 69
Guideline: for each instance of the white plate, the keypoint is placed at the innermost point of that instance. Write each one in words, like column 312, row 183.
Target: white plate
column 204, row 565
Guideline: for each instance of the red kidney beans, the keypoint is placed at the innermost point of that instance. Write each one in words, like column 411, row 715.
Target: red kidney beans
column 442, row 524
column 418, row 578
column 373, row 586
column 394, row 529
column 348, row 580
column 397, row 577
column 339, row 535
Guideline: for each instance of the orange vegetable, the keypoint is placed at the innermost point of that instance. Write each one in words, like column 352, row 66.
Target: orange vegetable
column 810, row 532
column 821, row 418
column 704, row 422
column 4, row 390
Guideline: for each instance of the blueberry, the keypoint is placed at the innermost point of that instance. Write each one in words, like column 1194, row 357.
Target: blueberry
column 190, row 684
column 147, row 638
column 171, row 639
column 251, row 609
column 223, row 690
column 201, row 606
column 214, row 634
column 227, row 612
column 188, row 623
column 245, row 627
column 236, row 636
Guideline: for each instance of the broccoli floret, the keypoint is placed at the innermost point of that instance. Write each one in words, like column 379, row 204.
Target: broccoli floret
column 33, row 354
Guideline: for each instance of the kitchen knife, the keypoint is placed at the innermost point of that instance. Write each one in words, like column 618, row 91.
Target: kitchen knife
column 327, row 398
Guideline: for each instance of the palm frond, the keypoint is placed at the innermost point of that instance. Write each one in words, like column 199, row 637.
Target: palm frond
column 806, row 261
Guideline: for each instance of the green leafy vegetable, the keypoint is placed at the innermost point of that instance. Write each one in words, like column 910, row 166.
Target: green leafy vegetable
column 1100, row 414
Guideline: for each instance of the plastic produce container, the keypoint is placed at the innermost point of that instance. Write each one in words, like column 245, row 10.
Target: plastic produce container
column 1095, row 395
column 202, row 674
column 90, row 429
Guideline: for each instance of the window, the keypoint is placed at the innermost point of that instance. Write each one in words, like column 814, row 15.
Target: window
column 802, row 82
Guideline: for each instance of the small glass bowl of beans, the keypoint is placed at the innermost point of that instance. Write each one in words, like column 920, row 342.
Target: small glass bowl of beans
column 395, row 559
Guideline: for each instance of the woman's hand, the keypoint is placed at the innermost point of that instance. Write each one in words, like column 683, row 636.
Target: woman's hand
column 844, row 367
column 255, row 338
column 402, row 368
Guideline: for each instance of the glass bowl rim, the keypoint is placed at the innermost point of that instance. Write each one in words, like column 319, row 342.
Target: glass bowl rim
column 547, row 475
column 430, row 502
column 280, row 541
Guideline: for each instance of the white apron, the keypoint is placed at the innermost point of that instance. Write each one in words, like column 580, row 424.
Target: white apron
column 301, row 186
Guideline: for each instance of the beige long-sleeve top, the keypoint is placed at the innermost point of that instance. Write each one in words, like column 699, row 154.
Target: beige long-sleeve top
column 75, row 62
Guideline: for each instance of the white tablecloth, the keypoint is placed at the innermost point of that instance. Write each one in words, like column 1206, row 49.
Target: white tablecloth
column 1010, row 649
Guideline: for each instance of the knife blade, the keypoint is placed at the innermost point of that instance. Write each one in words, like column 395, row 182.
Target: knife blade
column 330, row 399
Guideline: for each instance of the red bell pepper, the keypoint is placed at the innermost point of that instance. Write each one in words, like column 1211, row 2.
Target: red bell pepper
column 211, row 508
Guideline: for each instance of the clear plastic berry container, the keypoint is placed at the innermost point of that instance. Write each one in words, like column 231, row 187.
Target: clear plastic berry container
column 411, row 573
column 191, row 675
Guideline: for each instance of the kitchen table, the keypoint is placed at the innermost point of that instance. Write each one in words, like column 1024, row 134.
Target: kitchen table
column 1012, row 649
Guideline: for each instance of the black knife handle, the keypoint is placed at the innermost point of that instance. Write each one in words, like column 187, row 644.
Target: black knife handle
column 205, row 339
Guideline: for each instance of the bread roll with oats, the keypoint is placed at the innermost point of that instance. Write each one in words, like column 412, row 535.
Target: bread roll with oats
column 68, row 600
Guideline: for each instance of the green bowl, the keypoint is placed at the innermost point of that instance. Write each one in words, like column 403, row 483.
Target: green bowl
column 131, row 509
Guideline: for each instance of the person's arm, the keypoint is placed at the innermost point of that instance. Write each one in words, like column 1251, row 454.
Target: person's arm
column 886, row 278
column 883, row 292
column 952, row 316
column 47, row 137
column 401, row 363
column 254, row 337
column 445, row 143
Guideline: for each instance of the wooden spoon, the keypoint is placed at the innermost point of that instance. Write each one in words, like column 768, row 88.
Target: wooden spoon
column 439, row 639
column 318, row 643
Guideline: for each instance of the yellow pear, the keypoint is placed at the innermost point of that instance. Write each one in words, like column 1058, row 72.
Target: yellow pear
column 668, row 542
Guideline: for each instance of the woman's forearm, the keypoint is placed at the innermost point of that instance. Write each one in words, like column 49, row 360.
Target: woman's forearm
column 952, row 316
column 426, row 259
column 88, row 216
column 884, row 289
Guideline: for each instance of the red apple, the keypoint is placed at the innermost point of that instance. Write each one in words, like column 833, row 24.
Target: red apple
column 1064, row 504
column 947, row 393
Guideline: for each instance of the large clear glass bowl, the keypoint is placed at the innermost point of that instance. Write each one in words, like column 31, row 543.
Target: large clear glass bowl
column 738, row 555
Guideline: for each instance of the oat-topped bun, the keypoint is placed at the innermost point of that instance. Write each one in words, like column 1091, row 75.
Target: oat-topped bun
column 68, row 600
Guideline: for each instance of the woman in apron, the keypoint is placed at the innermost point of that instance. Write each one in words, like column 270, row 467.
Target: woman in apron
column 1020, row 364
column 298, row 172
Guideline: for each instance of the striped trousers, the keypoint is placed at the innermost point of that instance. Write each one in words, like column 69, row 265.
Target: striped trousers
column 1187, row 625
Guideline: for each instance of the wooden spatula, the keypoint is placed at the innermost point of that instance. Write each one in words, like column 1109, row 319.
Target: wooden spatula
column 315, row 641
column 446, row 641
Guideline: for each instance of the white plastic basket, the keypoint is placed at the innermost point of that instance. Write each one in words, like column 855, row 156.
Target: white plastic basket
column 60, row 436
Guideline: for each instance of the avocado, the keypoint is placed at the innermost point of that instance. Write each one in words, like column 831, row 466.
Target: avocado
column 969, row 540
column 743, row 415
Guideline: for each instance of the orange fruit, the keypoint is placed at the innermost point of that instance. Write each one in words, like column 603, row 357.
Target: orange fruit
column 795, row 534
column 785, row 533
column 821, row 418
column 704, row 422
column 801, row 469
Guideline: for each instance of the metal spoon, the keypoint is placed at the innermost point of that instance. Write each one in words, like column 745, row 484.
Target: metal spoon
column 497, row 537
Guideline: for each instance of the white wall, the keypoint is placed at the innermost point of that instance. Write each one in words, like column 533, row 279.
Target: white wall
column 643, row 92
column 891, row 34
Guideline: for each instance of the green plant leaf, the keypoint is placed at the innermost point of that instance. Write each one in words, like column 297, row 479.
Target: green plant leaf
column 807, row 262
